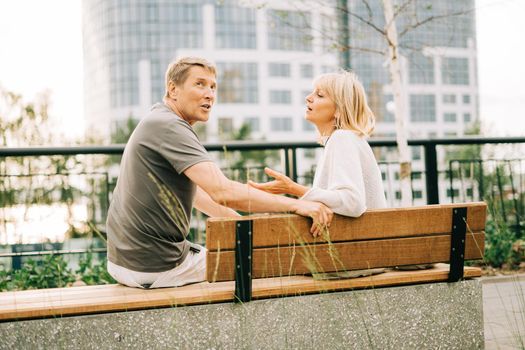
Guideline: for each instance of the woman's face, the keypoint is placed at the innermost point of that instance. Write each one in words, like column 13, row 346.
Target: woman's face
column 320, row 109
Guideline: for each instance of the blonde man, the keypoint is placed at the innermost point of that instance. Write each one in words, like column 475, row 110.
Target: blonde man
column 165, row 172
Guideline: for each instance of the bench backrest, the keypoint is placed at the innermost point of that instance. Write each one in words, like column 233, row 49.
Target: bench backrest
column 283, row 246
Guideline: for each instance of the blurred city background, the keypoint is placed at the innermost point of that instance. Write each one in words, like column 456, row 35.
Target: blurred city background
column 77, row 76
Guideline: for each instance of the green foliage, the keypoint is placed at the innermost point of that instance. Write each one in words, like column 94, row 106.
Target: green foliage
column 240, row 163
column 91, row 273
column 5, row 278
column 53, row 272
column 471, row 152
column 499, row 241
column 123, row 131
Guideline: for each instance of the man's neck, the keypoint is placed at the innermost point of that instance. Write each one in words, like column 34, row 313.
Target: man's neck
column 171, row 104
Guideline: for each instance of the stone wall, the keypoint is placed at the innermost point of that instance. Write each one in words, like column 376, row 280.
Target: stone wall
column 426, row 316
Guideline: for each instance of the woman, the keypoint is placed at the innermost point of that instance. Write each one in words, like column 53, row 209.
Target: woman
column 347, row 179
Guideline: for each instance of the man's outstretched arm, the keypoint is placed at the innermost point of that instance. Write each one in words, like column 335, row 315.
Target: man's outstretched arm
column 205, row 204
column 239, row 196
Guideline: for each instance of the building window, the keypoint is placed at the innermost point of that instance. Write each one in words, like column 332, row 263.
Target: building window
column 235, row 27
column 450, row 117
column 421, row 69
column 450, row 192
column 416, row 175
column 328, row 69
column 281, row 124
column 238, row 82
column 279, row 69
column 307, row 126
column 200, row 129
column 449, row 99
column 280, row 96
column 423, row 108
column 454, row 71
column 288, row 30
column 466, row 118
column 417, row 194
column 466, row 99
column 304, row 95
column 307, row 71
column 253, row 123
column 451, row 134
column 225, row 125
column 416, row 153
column 309, row 153
column 184, row 23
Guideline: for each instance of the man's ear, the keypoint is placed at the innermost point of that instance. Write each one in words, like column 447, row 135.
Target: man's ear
column 173, row 90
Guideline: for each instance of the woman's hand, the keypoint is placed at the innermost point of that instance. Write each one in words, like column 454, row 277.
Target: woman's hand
column 321, row 215
column 281, row 185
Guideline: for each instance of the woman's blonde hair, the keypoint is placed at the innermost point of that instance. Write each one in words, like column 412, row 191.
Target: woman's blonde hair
column 348, row 94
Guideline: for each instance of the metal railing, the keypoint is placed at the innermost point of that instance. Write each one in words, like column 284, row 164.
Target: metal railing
column 288, row 153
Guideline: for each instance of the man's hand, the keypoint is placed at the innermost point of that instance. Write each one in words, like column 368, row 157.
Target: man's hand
column 321, row 215
column 281, row 185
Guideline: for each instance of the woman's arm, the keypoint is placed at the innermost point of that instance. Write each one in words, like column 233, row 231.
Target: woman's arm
column 281, row 185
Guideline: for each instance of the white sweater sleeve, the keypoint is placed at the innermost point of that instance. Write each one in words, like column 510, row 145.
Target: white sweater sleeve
column 343, row 176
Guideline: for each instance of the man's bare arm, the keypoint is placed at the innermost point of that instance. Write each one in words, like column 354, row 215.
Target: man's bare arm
column 239, row 196
column 205, row 204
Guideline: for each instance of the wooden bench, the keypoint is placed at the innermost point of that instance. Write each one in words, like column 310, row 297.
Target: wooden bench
column 279, row 253
column 284, row 253
column 281, row 245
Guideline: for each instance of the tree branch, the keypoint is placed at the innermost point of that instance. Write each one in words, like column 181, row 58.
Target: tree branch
column 432, row 18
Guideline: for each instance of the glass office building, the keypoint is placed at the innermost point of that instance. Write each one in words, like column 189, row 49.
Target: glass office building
column 265, row 64
column 267, row 54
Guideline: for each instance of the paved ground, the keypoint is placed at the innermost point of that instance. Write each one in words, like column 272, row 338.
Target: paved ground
column 504, row 312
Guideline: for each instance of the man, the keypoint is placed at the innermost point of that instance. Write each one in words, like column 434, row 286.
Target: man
column 165, row 171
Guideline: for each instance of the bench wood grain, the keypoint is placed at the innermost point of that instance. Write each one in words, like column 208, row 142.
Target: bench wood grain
column 284, row 246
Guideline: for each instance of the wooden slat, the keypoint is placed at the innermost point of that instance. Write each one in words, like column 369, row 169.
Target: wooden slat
column 284, row 229
column 304, row 259
column 89, row 300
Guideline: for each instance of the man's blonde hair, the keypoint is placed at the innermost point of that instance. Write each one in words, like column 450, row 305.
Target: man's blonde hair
column 348, row 94
column 178, row 70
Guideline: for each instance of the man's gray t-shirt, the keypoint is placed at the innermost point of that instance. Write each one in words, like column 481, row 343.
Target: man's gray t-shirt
column 148, row 219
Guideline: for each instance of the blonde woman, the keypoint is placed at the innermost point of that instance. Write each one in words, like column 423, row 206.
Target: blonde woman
column 347, row 179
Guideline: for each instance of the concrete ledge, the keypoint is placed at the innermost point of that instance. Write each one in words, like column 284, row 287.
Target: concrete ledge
column 437, row 315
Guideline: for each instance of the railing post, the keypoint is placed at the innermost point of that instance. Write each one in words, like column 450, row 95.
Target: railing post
column 293, row 163
column 431, row 173
column 286, row 162
column 290, row 163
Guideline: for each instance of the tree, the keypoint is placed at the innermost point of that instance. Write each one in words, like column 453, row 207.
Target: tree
column 29, row 181
column 244, row 165
column 378, row 23
column 123, row 131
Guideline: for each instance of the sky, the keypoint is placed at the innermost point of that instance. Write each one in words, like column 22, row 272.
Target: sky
column 41, row 49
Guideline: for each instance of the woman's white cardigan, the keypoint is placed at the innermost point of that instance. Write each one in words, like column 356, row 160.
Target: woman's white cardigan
column 347, row 178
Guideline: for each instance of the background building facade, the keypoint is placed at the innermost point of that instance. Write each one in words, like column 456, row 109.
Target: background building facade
column 267, row 55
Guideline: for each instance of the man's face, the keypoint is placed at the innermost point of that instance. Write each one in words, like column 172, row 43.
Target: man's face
column 195, row 97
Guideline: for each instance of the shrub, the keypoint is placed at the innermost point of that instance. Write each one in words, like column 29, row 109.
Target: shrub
column 499, row 242
column 53, row 272
column 91, row 273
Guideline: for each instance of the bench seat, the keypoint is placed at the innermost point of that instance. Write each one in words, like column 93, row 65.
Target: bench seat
column 58, row 302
